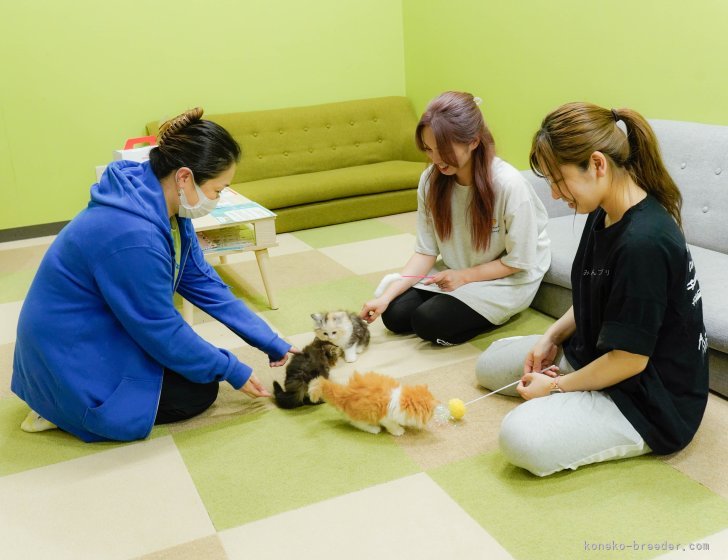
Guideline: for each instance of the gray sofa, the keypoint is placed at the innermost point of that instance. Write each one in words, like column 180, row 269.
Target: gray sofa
column 696, row 155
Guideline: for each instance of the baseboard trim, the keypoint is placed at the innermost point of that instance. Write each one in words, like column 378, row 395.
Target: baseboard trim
column 29, row 232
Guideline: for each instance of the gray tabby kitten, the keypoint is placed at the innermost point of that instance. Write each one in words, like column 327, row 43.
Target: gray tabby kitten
column 347, row 330
column 316, row 359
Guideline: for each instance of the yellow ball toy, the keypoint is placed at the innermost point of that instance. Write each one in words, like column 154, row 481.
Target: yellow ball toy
column 457, row 408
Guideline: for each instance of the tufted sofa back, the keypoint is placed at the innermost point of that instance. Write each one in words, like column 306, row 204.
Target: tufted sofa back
column 696, row 155
column 297, row 140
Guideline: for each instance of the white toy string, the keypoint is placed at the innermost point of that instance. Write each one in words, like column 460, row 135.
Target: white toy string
column 544, row 370
column 493, row 392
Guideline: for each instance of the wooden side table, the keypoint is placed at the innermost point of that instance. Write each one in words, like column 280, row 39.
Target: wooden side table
column 235, row 211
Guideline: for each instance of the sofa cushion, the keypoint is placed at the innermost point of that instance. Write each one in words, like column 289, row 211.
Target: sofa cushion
column 294, row 190
column 565, row 233
column 697, row 159
column 712, row 270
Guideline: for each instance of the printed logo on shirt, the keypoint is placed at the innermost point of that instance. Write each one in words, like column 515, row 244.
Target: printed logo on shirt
column 496, row 227
column 703, row 342
column 692, row 285
column 442, row 342
column 596, row 272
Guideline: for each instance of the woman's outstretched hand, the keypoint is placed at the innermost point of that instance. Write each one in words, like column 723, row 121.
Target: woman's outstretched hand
column 284, row 359
column 254, row 388
column 373, row 309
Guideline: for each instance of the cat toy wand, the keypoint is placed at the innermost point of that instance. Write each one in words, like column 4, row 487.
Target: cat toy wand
column 389, row 278
column 456, row 408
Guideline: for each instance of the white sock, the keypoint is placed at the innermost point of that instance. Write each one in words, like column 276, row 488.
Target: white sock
column 34, row 422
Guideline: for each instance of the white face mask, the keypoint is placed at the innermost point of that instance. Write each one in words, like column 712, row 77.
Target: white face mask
column 203, row 207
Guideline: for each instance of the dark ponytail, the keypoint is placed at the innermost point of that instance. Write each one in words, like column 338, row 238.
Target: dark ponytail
column 188, row 141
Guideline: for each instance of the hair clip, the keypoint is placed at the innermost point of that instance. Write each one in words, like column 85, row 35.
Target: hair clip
column 477, row 100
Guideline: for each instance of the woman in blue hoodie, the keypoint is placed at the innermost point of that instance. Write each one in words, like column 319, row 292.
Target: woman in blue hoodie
column 101, row 351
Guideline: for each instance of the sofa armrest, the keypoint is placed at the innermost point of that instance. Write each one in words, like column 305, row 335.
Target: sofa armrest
column 555, row 208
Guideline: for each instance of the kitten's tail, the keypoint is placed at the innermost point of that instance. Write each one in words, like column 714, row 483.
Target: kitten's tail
column 285, row 399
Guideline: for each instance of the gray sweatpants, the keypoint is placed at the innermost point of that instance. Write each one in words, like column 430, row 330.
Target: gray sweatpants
column 562, row 431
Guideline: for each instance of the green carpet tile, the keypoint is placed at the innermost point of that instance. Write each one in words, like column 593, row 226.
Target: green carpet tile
column 570, row 514
column 17, row 269
column 527, row 322
column 346, row 233
column 267, row 463
column 14, row 285
column 296, row 305
column 20, row 451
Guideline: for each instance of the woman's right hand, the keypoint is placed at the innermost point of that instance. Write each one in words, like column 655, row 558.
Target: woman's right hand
column 541, row 355
column 373, row 309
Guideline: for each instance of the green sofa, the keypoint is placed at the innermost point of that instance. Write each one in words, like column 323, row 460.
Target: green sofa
column 327, row 164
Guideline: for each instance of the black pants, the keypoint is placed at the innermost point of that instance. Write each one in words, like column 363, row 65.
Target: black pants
column 182, row 399
column 434, row 317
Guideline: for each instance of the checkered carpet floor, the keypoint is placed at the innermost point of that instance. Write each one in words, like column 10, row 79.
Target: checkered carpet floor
column 247, row 480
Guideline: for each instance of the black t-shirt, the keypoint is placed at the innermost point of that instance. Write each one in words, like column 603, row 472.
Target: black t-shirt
column 635, row 289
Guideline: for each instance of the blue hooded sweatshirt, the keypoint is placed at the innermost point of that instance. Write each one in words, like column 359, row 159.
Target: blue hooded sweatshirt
column 99, row 325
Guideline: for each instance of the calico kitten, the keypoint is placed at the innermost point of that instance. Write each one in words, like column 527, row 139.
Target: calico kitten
column 372, row 400
column 347, row 330
column 315, row 359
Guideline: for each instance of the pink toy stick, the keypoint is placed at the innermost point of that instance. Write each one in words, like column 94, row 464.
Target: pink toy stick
column 414, row 276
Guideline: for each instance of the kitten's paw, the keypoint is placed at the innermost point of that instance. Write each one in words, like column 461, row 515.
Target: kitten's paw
column 395, row 431
column 392, row 426
column 366, row 427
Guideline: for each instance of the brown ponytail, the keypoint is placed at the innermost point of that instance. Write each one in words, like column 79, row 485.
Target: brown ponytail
column 573, row 132
column 645, row 163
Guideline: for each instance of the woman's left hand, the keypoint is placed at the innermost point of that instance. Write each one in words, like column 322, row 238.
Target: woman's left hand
column 284, row 359
column 447, row 280
column 534, row 385
column 254, row 388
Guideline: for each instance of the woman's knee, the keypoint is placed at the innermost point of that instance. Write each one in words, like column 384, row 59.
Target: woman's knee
column 396, row 321
column 501, row 363
column 431, row 328
column 484, row 373
column 186, row 400
column 525, row 442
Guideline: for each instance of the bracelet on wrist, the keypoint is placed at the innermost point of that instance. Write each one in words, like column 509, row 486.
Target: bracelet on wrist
column 554, row 387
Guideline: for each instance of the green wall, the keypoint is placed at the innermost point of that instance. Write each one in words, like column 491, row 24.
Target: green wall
column 79, row 77
column 666, row 59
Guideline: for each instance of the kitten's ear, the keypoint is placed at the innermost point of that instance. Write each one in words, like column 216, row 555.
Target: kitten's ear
column 318, row 319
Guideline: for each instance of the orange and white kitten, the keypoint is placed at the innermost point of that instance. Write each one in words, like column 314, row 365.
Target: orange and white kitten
column 372, row 400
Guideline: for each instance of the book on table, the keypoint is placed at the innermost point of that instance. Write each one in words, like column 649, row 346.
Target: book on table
column 226, row 239
column 235, row 224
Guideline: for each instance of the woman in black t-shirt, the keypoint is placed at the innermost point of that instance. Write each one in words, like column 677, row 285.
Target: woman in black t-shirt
column 633, row 343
